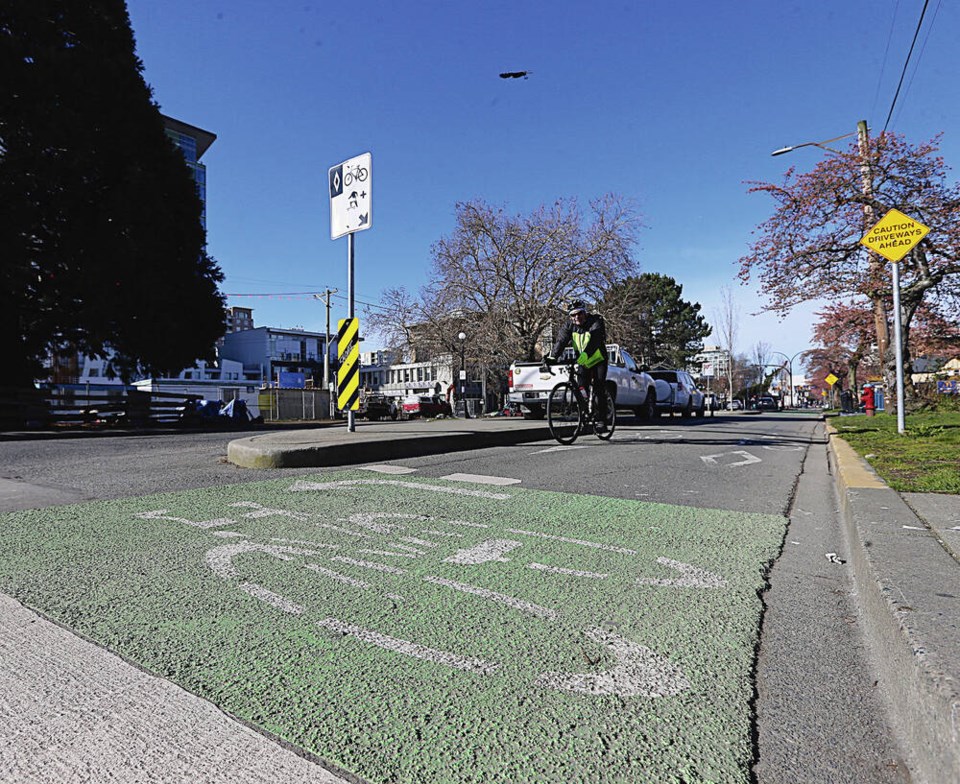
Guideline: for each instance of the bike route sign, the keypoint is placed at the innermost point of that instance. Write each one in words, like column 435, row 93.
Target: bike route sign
column 350, row 201
column 410, row 629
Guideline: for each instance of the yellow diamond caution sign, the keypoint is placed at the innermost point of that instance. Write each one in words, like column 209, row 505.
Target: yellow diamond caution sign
column 894, row 236
column 831, row 379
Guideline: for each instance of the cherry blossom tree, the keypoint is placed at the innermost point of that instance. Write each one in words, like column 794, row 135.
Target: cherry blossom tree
column 809, row 249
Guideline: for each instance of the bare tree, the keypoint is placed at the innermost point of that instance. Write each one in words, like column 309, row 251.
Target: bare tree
column 727, row 319
column 502, row 279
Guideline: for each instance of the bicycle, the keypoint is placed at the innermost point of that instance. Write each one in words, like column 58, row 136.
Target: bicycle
column 569, row 410
column 359, row 174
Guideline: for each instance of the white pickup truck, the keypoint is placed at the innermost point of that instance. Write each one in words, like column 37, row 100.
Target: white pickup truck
column 631, row 387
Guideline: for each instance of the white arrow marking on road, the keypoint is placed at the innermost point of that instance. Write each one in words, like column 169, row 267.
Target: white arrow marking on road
column 690, row 576
column 639, row 672
column 561, row 448
column 747, row 458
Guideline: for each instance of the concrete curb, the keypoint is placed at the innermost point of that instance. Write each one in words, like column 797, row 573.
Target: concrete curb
column 344, row 448
column 909, row 586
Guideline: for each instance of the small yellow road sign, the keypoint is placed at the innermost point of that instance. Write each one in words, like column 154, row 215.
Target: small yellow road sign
column 831, row 379
column 894, row 236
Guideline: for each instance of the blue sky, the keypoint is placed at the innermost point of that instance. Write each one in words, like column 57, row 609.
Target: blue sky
column 672, row 105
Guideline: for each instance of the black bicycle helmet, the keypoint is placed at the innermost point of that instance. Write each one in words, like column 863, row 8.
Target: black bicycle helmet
column 577, row 306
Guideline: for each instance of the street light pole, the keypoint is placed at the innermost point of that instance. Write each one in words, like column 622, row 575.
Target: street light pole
column 789, row 369
column 462, row 337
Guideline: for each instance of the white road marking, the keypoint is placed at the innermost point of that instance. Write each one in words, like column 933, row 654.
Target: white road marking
column 499, row 598
column 448, row 534
column 465, row 524
column 420, row 542
column 690, row 577
column 369, row 520
column 161, row 514
column 388, row 469
column 265, row 511
column 341, row 530
column 387, row 552
column 748, row 459
column 409, row 648
column 571, row 572
column 377, row 567
column 490, row 550
column 479, row 479
column 271, row 598
column 561, row 448
column 639, row 672
column 220, row 558
column 337, row 576
column 301, row 486
column 608, row 547
column 304, row 541
column 406, row 547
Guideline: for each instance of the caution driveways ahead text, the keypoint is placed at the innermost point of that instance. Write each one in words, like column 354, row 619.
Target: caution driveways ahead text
column 895, row 235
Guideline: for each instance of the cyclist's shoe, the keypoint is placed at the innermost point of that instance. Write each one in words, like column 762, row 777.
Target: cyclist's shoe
column 600, row 427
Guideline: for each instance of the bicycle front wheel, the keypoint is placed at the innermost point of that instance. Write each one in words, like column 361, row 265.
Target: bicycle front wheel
column 611, row 420
column 564, row 413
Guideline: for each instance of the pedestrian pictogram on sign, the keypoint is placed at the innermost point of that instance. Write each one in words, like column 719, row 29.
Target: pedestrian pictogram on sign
column 831, row 379
column 894, row 236
column 348, row 374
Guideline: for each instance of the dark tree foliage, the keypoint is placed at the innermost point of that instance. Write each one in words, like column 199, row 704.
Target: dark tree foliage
column 101, row 242
column 646, row 314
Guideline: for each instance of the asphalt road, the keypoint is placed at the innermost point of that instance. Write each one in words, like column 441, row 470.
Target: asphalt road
column 720, row 491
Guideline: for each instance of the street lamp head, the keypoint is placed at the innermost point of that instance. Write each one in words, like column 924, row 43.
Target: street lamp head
column 782, row 150
column 462, row 336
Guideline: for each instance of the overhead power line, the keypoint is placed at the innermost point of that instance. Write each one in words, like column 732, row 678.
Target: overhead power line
column 306, row 295
column 903, row 73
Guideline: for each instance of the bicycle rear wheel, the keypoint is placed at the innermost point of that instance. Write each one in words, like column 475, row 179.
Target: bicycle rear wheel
column 611, row 420
column 564, row 414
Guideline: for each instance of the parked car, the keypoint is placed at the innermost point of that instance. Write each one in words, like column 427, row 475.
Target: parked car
column 425, row 406
column 767, row 403
column 677, row 393
column 734, row 405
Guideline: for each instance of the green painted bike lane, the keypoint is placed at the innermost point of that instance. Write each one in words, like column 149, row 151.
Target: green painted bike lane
column 422, row 630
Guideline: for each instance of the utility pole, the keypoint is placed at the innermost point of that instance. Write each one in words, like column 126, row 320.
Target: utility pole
column 877, row 265
column 326, row 345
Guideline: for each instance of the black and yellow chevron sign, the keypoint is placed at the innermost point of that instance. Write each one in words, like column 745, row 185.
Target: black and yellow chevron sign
column 348, row 375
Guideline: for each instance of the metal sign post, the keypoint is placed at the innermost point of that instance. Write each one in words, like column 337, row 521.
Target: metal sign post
column 350, row 212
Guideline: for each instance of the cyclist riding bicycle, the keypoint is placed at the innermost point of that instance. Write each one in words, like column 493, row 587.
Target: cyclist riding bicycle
column 588, row 333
